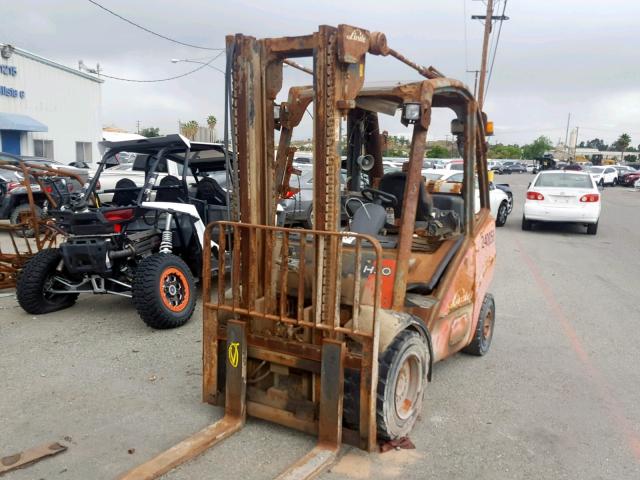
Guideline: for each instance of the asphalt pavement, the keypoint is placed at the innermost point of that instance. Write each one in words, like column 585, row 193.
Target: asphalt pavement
column 555, row 398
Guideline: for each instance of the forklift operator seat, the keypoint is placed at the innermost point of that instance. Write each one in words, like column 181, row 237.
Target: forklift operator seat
column 394, row 183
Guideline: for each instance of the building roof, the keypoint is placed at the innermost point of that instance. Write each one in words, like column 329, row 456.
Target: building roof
column 51, row 63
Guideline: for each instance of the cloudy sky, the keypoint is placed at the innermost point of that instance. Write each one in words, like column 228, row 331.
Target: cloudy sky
column 554, row 57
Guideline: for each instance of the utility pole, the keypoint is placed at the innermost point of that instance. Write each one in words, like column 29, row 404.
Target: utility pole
column 488, row 24
column 566, row 135
column 475, row 82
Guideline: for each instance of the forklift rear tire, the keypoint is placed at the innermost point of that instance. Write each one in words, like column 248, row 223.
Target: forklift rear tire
column 34, row 279
column 481, row 341
column 164, row 291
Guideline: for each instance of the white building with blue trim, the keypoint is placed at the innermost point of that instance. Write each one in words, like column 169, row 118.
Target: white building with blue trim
column 47, row 109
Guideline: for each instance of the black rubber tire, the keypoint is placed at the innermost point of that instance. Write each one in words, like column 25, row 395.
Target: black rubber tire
column 526, row 224
column 31, row 284
column 481, row 341
column 147, row 296
column 601, row 182
column 308, row 221
column 14, row 218
column 407, row 343
column 501, row 216
column 389, row 426
column 592, row 228
column 615, row 182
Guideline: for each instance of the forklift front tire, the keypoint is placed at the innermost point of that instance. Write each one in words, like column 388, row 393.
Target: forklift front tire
column 402, row 380
column 164, row 291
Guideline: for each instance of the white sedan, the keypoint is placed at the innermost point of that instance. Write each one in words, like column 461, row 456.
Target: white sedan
column 498, row 199
column 562, row 196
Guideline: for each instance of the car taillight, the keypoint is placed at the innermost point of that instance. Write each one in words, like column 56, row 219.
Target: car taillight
column 116, row 216
column 535, row 196
column 12, row 185
column 48, row 189
column 291, row 192
column 590, row 197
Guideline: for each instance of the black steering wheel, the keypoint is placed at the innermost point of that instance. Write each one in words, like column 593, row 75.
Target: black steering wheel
column 378, row 196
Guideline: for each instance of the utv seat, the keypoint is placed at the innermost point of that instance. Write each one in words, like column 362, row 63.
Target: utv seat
column 169, row 190
column 427, row 287
column 210, row 191
column 126, row 193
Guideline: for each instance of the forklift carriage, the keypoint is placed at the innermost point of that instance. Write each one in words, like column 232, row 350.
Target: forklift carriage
column 328, row 331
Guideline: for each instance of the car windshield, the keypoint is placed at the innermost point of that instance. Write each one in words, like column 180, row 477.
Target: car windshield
column 596, row 169
column 564, row 180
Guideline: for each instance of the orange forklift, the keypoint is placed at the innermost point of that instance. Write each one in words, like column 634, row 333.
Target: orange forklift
column 334, row 330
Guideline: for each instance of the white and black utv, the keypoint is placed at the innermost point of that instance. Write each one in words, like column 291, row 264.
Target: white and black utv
column 146, row 243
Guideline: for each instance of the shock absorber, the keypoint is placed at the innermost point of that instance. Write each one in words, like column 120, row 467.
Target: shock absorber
column 166, row 245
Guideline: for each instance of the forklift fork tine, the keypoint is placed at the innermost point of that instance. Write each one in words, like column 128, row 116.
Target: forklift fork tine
column 233, row 420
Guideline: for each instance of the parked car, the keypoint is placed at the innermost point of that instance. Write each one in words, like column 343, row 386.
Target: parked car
column 630, row 178
column 14, row 201
column 604, row 175
column 498, row 198
column 622, row 169
column 576, row 167
column 562, row 196
column 493, row 165
column 510, row 167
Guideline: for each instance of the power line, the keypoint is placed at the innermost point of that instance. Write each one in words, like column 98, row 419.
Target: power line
column 495, row 48
column 164, row 79
column 150, row 31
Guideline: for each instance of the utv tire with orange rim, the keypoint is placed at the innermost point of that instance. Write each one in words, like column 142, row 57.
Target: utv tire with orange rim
column 164, row 291
column 484, row 331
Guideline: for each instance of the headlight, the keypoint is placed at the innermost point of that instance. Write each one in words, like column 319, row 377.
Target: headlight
column 411, row 112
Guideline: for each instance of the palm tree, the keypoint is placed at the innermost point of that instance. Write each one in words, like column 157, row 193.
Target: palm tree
column 211, row 121
column 623, row 143
column 190, row 129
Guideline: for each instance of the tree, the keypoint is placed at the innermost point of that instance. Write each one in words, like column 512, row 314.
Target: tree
column 504, row 151
column 537, row 149
column 190, row 129
column 438, row 152
column 150, row 132
column 211, row 121
column 622, row 143
column 597, row 143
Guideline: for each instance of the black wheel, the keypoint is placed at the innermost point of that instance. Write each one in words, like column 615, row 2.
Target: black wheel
column 615, row 182
column 601, row 182
column 592, row 228
column 402, row 380
column 22, row 214
column 509, row 203
column 163, row 291
column 35, row 281
column 526, row 224
column 501, row 217
column 484, row 331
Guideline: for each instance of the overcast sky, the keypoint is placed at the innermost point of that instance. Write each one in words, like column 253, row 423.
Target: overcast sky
column 554, row 57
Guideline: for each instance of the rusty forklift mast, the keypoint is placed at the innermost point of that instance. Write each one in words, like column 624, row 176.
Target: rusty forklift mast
column 304, row 307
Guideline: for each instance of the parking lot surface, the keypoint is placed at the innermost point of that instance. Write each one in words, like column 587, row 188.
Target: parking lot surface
column 555, row 398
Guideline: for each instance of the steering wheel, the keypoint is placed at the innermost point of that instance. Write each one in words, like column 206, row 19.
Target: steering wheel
column 378, row 196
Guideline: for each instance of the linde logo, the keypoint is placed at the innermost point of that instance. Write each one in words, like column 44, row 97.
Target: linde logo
column 357, row 36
